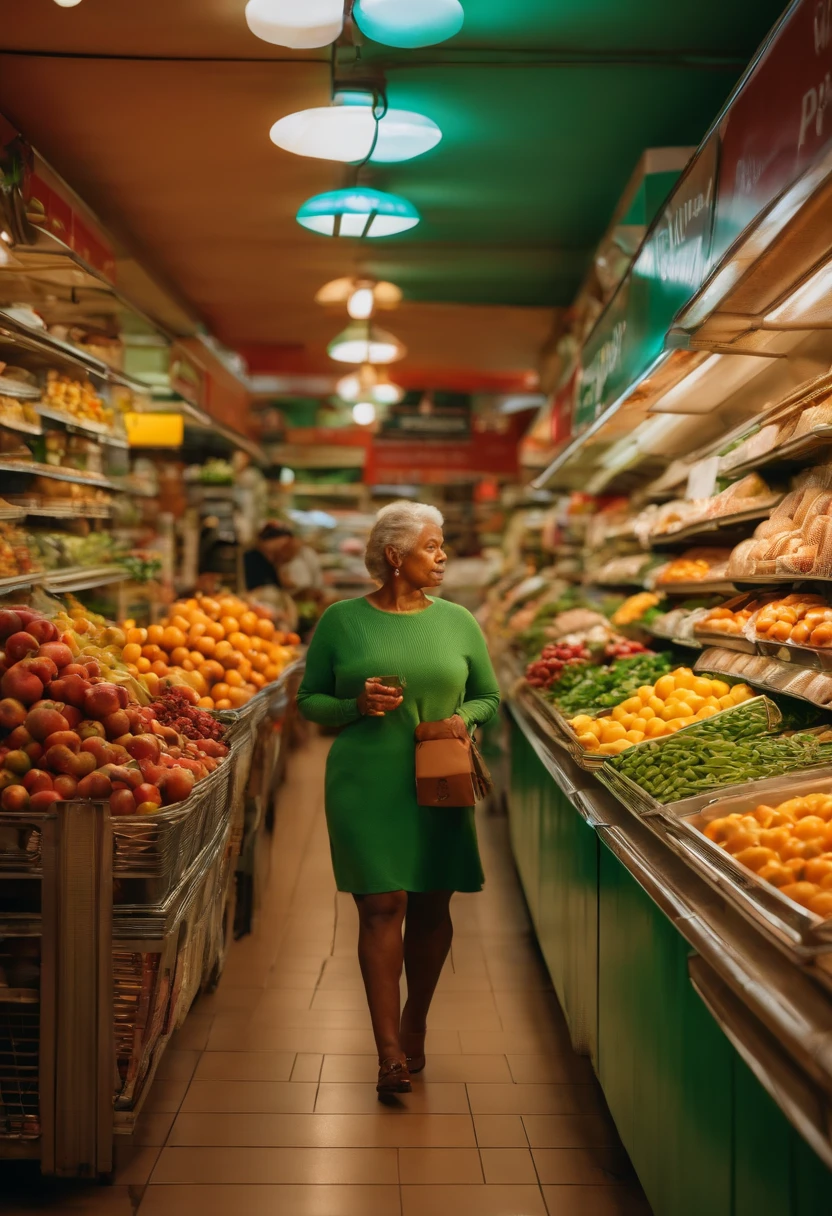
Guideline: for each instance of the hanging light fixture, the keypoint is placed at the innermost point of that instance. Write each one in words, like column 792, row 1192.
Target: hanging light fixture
column 361, row 303
column 340, row 292
column 369, row 384
column 362, row 342
column 357, row 127
column 299, row 25
column 364, row 413
column 358, row 211
column 67, row 3
column 407, row 24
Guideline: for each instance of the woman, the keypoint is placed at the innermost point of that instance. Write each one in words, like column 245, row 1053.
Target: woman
column 261, row 572
column 402, row 862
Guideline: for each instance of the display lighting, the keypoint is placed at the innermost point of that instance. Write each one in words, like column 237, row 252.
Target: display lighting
column 803, row 302
column 371, row 385
column 364, row 413
column 67, row 3
column 299, row 24
column 357, row 127
column 358, row 211
column 361, row 342
column 340, row 291
column 361, row 303
column 406, row 23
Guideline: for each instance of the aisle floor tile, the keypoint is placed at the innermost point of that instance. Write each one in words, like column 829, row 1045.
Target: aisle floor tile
column 500, row 1131
column 285, row 1200
column 570, row 1131
column 348, row 1098
column 245, row 1066
column 594, row 1201
column 554, row 1068
column 248, row 1097
column 301, row 1166
column 508, row 1166
column 534, row 1099
column 438, row 1068
column 582, row 1166
column 472, row 1201
column 437, row 1166
column 323, row 1131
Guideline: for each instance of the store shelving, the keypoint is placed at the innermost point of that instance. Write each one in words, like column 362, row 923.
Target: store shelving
column 93, row 430
column 12, row 513
column 83, row 578
column 16, row 333
column 63, row 510
column 721, row 529
column 20, row 582
column 33, row 468
column 20, row 428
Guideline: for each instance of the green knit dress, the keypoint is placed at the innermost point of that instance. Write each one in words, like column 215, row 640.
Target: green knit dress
column 381, row 839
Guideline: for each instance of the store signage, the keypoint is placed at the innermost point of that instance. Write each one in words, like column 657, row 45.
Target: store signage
column 437, row 421
column 604, row 363
column 436, row 462
column 154, row 430
column 777, row 125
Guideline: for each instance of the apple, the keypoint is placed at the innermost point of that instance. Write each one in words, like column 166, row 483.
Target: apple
column 43, row 800
column 15, row 798
column 59, row 759
column 33, row 750
column 43, row 630
column 151, row 772
column 148, row 793
column 7, row 778
column 73, row 716
column 144, row 747
column 147, row 808
column 99, row 748
column 12, row 713
column 41, row 723
column 122, row 802
column 82, row 765
column 177, row 785
column 93, row 668
column 87, row 728
column 101, row 701
column 116, row 724
column 73, row 688
column 10, row 623
column 36, row 780
column 65, row 738
column 41, row 666
column 137, row 722
column 66, row 786
column 20, row 646
column 17, row 762
column 21, row 685
column 95, row 785
column 60, row 655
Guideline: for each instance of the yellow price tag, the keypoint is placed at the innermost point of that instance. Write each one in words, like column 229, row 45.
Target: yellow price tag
column 154, row 430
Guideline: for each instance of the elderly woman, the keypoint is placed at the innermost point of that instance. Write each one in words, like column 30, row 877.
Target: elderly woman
column 402, row 862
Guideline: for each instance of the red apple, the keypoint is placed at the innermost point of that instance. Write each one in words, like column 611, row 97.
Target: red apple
column 36, row 780
column 144, row 747
column 116, row 724
column 17, row 762
column 41, row 723
column 21, row 685
column 89, row 729
column 148, row 793
column 59, row 759
column 95, row 785
column 82, row 765
column 63, row 738
column 137, row 722
column 99, row 748
column 20, row 646
column 73, row 716
column 12, row 713
column 41, row 666
column 151, row 772
column 7, row 778
column 177, row 786
column 60, row 655
column 74, row 688
column 66, row 786
column 33, row 750
column 43, row 630
column 122, row 802
column 15, row 798
column 43, row 800
column 10, row 623
column 101, row 700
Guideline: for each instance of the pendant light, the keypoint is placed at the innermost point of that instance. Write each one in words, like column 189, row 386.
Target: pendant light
column 358, row 211
column 406, row 23
column 357, row 127
column 364, row 413
column 363, row 342
column 67, row 3
column 369, row 384
column 341, row 291
column 299, row 24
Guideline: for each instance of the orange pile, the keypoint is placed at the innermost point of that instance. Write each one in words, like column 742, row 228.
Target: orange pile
column 221, row 647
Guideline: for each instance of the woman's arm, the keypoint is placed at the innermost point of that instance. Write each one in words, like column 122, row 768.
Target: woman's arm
column 316, row 696
column 482, row 692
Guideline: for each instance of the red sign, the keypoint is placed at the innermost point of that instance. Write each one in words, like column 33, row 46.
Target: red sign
column 51, row 209
column 410, row 462
column 777, row 126
column 562, row 408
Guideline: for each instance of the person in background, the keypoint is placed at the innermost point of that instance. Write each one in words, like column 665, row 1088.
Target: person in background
column 303, row 578
column 261, row 566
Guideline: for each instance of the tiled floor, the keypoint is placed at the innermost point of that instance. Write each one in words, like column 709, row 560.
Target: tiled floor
column 265, row 1102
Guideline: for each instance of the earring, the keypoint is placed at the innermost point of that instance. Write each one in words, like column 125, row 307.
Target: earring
column 396, row 572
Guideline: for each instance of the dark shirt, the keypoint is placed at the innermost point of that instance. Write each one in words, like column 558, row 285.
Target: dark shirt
column 259, row 572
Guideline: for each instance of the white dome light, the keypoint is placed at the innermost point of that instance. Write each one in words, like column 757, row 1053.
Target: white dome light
column 299, row 24
column 369, row 384
column 67, row 3
column 364, row 343
column 361, row 303
column 364, row 413
column 345, row 131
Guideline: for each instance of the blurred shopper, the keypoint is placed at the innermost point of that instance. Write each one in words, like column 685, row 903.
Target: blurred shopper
column 303, row 578
column 401, row 861
column 261, row 570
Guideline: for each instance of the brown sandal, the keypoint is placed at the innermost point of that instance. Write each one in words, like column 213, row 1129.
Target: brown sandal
column 393, row 1078
column 416, row 1063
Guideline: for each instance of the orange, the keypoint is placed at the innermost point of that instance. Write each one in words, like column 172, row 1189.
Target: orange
column 180, row 622
column 173, row 638
column 179, row 654
column 271, row 672
column 210, row 607
column 197, row 657
column 222, row 649
column 238, row 697
column 256, row 644
column 248, row 622
column 155, row 635
column 137, row 635
column 232, row 660
column 215, row 630
column 245, row 669
column 240, row 641
column 258, row 679
column 233, row 679
column 259, row 662
column 133, row 669
column 230, row 624
column 142, row 665
column 223, row 703
column 132, row 652
column 205, row 703
column 212, row 671
column 153, row 653
column 159, row 668
column 197, row 630
column 291, row 639
column 220, row 692
column 189, row 664
column 206, row 645
column 265, row 628
column 151, row 683
column 250, row 689
column 197, row 682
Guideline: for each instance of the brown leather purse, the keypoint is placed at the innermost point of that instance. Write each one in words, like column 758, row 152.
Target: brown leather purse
column 449, row 768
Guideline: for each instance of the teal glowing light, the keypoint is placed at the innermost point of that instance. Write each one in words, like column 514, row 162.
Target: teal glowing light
column 358, row 211
column 409, row 23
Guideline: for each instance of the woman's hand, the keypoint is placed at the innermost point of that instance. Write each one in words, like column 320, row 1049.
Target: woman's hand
column 377, row 699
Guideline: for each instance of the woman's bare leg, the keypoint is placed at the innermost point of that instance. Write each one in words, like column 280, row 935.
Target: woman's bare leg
column 381, row 954
column 427, row 941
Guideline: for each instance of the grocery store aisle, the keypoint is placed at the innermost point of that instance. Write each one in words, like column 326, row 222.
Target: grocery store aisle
column 266, row 1103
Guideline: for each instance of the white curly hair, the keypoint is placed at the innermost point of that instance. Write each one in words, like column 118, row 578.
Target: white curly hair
column 397, row 525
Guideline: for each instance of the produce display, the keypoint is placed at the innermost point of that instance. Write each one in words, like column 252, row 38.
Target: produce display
column 803, row 620
column 788, row 845
column 797, row 538
column 223, row 648
column 592, row 689
column 642, row 608
column 545, row 671
column 16, row 556
column 730, row 618
column 78, row 398
column 677, row 699
column 697, row 565
column 66, row 732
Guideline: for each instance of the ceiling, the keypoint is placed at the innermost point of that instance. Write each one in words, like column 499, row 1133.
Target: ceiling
column 158, row 115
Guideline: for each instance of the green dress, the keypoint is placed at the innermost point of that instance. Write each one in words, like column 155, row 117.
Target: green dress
column 381, row 839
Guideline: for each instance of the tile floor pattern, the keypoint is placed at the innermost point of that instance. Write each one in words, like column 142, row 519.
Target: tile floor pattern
column 265, row 1101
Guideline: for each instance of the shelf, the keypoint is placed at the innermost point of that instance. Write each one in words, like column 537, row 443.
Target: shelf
column 350, row 490
column 720, row 660
column 83, row 578
column 9, row 514
column 92, row 430
column 39, row 342
column 705, row 530
column 66, row 510
column 31, row 468
column 704, row 586
column 20, row 582
column 122, row 486
column 20, row 428
column 796, row 452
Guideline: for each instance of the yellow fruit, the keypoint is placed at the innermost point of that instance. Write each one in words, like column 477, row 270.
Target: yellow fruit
column 635, row 736
column 719, row 688
column 663, row 689
column 588, row 742
column 683, row 710
column 740, row 693
column 669, row 711
column 645, row 693
column 695, row 702
column 611, row 732
column 655, row 728
column 726, row 702
column 618, row 713
column 675, row 724
column 632, row 705
column 685, row 678
column 627, row 721
column 639, row 723
column 647, row 713
column 656, row 703
column 613, row 749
